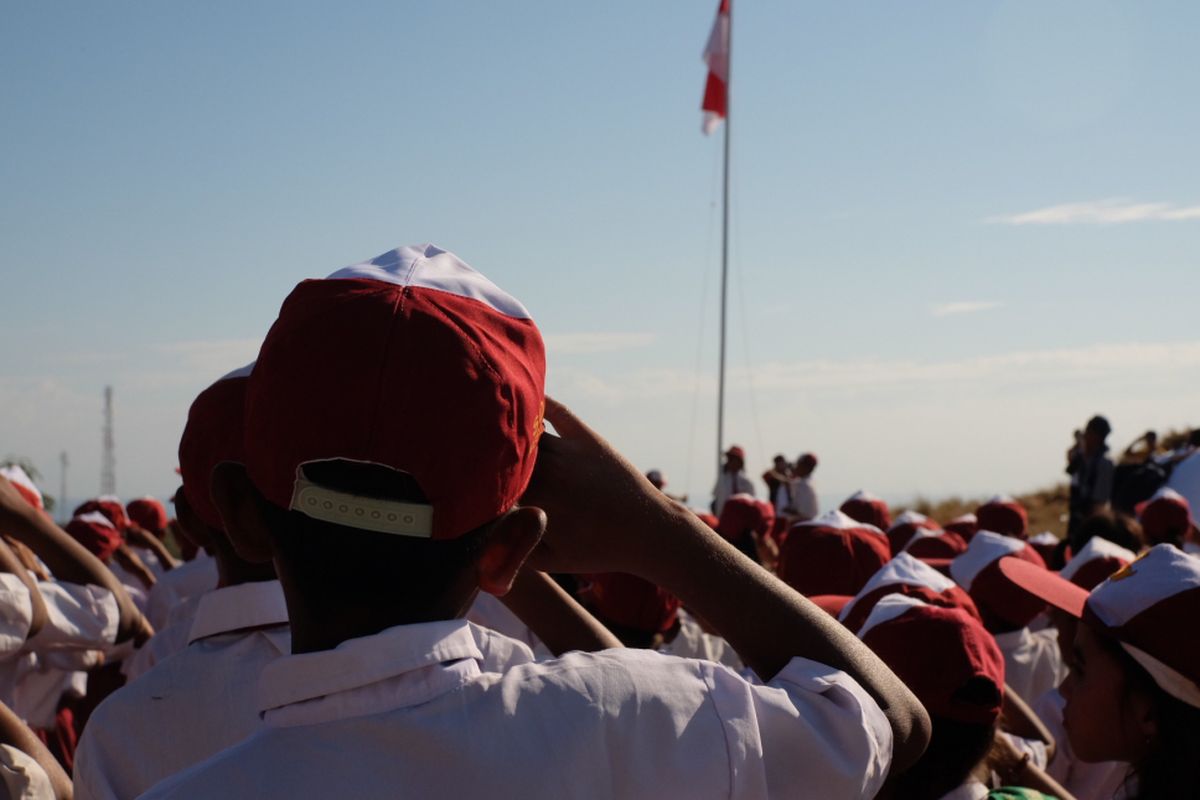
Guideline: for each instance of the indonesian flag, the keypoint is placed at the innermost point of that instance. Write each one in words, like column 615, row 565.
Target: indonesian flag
column 716, row 55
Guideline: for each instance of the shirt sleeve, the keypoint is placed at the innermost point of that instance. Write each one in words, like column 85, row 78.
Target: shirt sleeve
column 16, row 614
column 22, row 776
column 79, row 617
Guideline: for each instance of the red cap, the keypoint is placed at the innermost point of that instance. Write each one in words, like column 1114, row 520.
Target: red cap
column 831, row 604
column 743, row 513
column 831, row 554
column 737, row 452
column 147, row 513
column 1166, row 517
column 945, row 657
column 1003, row 515
column 1002, row 605
column 95, row 532
column 24, row 485
column 1145, row 606
column 936, row 545
column 905, row 526
column 108, row 505
column 707, row 518
column 631, row 602
column 412, row 361
column 1098, row 559
column 866, row 507
column 214, row 433
column 911, row 577
column 966, row 526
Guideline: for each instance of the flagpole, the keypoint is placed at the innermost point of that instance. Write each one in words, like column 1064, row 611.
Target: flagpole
column 724, row 250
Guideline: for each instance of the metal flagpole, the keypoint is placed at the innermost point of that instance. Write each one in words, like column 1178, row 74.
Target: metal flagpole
column 724, row 249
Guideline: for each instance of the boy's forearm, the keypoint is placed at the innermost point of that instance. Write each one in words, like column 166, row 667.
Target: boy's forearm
column 555, row 617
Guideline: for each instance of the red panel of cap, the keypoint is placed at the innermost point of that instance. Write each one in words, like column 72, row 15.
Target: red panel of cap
column 434, row 384
column 214, row 433
column 901, row 532
column 945, row 545
column 938, row 653
column 867, row 508
column 1005, row 516
column 818, row 559
column 831, row 604
column 147, row 513
column 953, row 597
column 965, row 526
column 1166, row 518
column 1043, row 585
column 1002, row 605
column 112, row 509
column 632, row 602
column 742, row 513
column 99, row 539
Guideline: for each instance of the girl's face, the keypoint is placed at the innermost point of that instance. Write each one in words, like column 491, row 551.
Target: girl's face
column 1106, row 717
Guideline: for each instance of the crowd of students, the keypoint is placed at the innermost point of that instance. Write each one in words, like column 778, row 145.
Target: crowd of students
column 396, row 581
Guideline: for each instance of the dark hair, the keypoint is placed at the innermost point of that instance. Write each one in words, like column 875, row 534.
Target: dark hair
column 1170, row 767
column 1118, row 528
column 955, row 750
column 324, row 560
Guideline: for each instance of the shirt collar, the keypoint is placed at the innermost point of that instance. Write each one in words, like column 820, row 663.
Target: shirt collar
column 363, row 661
column 233, row 608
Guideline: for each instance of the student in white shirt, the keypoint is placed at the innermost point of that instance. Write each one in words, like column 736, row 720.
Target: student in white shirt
column 386, row 502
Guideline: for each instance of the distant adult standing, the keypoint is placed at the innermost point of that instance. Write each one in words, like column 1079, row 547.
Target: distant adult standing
column 1091, row 472
column 802, row 495
column 732, row 479
column 778, row 480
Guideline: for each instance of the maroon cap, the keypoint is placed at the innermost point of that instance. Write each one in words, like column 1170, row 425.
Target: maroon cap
column 831, row 604
column 966, row 526
column 905, row 526
column 96, row 533
column 1166, row 517
column 412, row 361
column 832, row 554
column 742, row 513
column 1098, row 559
column 736, row 452
column 1003, row 515
column 214, row 433
column 936, row 545
column 147, row 513
column 943, row 655
column 707, row 518
column 1001, row 604
column 24, row 485
column 911, row 577
column 108, row 505
column 866, row 507
column 631, row 602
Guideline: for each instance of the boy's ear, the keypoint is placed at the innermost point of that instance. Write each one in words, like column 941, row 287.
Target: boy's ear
column 508, row 544
column 191, row 526
column 240, row 506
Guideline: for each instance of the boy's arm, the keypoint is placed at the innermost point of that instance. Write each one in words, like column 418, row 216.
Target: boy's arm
column 67, row 559
column 16, row 733
column 555, row 617
column 605, row 516
column 10, row 563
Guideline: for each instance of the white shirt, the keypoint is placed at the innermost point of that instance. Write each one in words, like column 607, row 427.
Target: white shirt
column 490, row 612
column 693, row 642
column 1098, row 781
column 1032, row 663
column 421, row 710
column 804, row 499
column 188, row 579
column 22, row 776
column 165, row 642
column 727, row 486
column 971, row 790
column 193, row 704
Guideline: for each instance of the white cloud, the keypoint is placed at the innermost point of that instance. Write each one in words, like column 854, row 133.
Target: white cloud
column 571, row 344
column 1111, row 211
column 963, row 307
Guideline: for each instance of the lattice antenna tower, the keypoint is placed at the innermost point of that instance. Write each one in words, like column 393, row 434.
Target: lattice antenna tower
column 108, row 458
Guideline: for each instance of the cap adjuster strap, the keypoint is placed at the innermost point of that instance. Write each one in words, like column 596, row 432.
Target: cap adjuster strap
column 365, row 513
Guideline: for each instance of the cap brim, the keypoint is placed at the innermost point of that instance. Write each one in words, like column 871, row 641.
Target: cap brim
column 1045, row 585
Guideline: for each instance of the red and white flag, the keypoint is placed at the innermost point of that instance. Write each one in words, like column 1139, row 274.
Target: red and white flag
column 716, row 55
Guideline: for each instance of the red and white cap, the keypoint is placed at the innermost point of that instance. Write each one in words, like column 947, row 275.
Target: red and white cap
column 412, row 361
column 631, row 602
column 742, row 513
column 935, row 545
column 1095, row 561
column 110, row 506
column 1146, row 606
column 96, row 533
column 214, row 433
column 1002, row 605
column 832, row 554
column 1045, row 543
column 24, row 485
column 866, row 507
column 911, row 577
column 147, row 513
column 943, row 655
column 1166, row 517
column 1004, row 515
column 905, row 526
column 965, row 525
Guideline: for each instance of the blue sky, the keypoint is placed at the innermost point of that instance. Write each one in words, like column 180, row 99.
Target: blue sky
column 960, row 228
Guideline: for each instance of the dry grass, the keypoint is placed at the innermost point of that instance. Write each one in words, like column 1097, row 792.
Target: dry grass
column 1047, row 508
